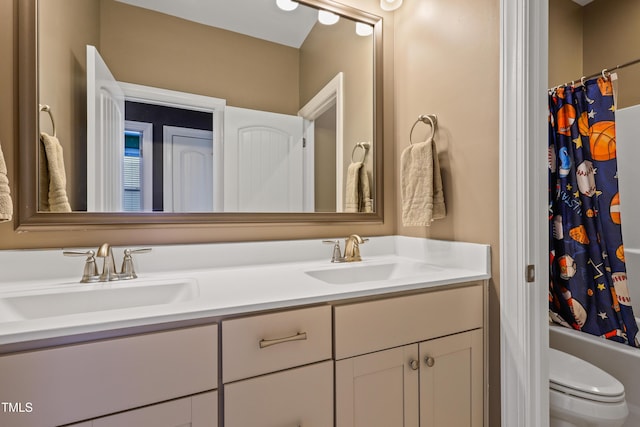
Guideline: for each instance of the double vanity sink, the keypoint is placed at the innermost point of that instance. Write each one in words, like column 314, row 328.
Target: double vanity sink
column 179, row 283
column 67, row 299
column 274, row 326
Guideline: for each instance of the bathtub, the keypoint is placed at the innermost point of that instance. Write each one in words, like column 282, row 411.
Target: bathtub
column 621, row 361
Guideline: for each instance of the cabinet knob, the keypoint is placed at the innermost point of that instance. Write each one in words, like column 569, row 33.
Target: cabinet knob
column 430, row 361
column 414, row 364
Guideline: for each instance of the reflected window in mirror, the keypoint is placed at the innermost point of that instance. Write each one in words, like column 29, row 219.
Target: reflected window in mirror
column 133, row 184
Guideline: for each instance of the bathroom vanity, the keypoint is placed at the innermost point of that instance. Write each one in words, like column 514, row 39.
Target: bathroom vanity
column 397, row 339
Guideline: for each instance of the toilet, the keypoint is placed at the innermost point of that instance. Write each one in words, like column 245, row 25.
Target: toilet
column 583, row 395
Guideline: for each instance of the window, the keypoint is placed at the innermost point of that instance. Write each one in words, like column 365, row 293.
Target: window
column 132, row 172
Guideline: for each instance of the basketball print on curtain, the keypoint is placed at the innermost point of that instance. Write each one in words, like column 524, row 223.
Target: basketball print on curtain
column 588, row 287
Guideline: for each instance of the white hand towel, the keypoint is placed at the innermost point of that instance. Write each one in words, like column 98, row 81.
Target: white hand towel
column 421, row 185
column 6, row 204
column 53, row 178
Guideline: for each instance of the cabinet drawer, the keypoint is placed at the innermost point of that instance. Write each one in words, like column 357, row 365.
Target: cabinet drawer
column 83, row 381
column 375, row 325
column 270, row 342
column 295, row 397
column 196, row 411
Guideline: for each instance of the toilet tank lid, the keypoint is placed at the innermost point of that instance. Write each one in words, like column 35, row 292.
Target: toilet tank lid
column 573, row 373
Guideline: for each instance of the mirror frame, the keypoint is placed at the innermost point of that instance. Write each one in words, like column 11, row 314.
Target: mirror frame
column 28, row 217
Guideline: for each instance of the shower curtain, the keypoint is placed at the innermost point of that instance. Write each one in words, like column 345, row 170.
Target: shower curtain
column 588, row 283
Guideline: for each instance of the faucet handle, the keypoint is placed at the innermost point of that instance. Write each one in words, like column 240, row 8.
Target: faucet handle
column 90, row 273
column 337, row 252
column 127, row 271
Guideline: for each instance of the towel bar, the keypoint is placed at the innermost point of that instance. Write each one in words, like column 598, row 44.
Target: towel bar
column 431, row 119
column 47, row 109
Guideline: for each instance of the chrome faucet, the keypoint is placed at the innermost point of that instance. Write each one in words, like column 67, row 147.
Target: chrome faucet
column 109, row 272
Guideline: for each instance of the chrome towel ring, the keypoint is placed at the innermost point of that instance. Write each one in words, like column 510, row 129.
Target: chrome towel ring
column 365, row 148
column 47, row 109
column 430, row 119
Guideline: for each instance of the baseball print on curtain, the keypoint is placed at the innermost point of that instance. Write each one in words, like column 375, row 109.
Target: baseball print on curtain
column 588, row 281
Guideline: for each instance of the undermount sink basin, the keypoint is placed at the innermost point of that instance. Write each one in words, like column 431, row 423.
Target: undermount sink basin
column 98, row 297
column 348, row 273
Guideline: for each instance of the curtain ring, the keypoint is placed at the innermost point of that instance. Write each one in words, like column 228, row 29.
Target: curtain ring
column 582, row 80
column 604, row 71
column 432, row 118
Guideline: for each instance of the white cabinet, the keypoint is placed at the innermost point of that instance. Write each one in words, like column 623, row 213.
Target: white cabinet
column 408, row 362
column 196, row 411
column 67, row 384
column 451, row 381
column 415, row 360
column 277, row 369
column 296, row 397
column 378, row 389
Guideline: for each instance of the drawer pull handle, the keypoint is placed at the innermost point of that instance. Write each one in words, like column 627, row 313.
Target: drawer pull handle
column 414, row 364
column 300, row 336
column 430, row 361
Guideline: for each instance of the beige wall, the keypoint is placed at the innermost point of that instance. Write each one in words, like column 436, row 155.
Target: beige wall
column 585, row 40
column 447, row 63
column 565, row 41
column 319, row 65
column 150, row 48
column 63, row 80
column 612, row 37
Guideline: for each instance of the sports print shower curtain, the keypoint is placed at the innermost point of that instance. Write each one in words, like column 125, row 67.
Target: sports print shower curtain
column 588, row 287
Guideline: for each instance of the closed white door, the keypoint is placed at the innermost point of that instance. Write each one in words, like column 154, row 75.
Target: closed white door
column 105, row 136
column 188, row 170
column 263, row 161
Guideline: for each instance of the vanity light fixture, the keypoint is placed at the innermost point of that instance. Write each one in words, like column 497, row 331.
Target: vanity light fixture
column 363, row 29
column 287, row 5
column 390, row 4
column 327, row 18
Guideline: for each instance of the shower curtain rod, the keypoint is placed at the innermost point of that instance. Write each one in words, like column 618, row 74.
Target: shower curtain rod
column 603, row 72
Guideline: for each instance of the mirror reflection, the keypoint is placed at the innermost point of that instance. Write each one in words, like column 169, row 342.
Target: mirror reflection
column 227, row 107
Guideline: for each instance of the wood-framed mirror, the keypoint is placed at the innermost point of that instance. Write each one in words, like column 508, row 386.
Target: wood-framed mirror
column 331, row 92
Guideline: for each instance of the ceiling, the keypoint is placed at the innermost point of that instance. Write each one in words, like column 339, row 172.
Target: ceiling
column 256, row 18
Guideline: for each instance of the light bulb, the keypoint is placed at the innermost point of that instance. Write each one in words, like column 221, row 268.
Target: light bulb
column 390, row 4
column 327, row 18
column 287, row 5
column 363, row 29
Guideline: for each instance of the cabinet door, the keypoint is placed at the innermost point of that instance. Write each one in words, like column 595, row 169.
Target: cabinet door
column 295, row 397
column 451, row 378
column 378, row 389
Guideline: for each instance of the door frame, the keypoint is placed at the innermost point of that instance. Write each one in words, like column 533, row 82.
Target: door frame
column 332, row 93
column 191, row 101
column 523, row 213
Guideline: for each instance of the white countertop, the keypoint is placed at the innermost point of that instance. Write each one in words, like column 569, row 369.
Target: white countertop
column 232, row 278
